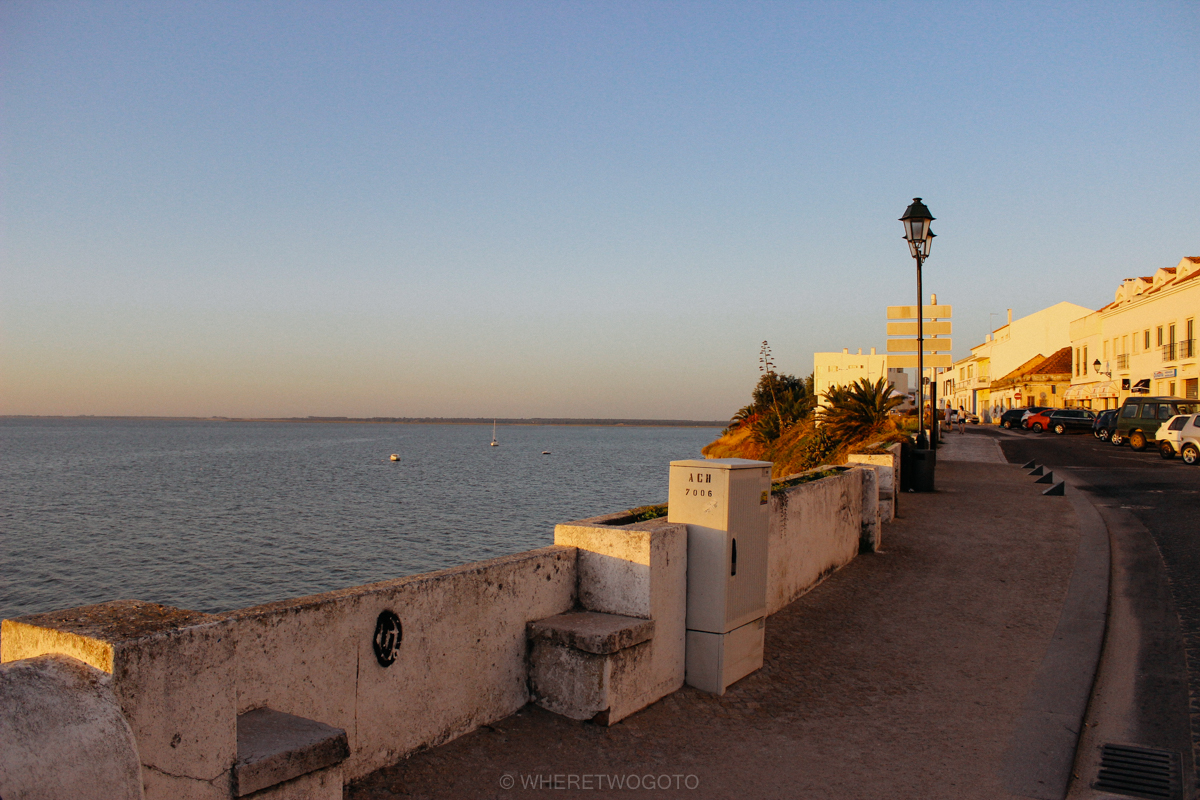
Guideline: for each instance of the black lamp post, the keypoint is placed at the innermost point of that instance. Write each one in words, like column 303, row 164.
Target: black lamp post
column 916, row 221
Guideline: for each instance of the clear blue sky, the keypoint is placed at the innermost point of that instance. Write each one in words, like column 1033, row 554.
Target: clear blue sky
column 557, row 209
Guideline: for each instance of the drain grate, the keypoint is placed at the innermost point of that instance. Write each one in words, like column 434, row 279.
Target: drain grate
column 1139, row 772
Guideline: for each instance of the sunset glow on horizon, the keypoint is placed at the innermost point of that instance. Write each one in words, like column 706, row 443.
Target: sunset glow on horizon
column 556, row 210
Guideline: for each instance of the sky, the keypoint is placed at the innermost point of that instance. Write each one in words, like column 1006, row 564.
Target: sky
column 557, row 209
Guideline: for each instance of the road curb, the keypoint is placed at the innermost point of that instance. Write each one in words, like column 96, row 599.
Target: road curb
column 1041, row 752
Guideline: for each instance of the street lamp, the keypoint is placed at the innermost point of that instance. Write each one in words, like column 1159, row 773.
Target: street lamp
column 1096, row 369
column 916, row 221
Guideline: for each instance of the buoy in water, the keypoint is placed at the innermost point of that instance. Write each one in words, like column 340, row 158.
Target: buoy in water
column 395, row 456
column 545, row 452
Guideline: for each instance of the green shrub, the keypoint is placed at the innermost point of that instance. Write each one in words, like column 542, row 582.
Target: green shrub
column 781, row 486
column 643, row 513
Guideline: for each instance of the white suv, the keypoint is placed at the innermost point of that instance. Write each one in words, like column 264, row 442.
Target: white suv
column 1180, row 434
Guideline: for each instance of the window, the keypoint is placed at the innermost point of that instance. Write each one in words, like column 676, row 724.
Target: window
column 1171, row 388
column 1146, row 334
column 1085, row 359
column 1165, row 411
column 1191, row 389
column 1158, row 330
column 1130, row 410
column 1135, row 343
column 1125, row 344
column 1177, row 425
column 1150, row 411
column 1053, row 389
column 1171, row 334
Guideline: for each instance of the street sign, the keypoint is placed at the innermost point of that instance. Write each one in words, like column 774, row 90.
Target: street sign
column 910, row 312
column 910, row 328
column 910, row 345
column 910, row 361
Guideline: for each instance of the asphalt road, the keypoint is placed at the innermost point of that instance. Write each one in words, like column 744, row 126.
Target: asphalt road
column 1150, row 504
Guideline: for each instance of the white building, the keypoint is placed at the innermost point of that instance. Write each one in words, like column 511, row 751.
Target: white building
column 969, row 382
column 844, row 368
column 1145, row 340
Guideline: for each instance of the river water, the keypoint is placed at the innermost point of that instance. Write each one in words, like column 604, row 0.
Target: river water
column 213, row 516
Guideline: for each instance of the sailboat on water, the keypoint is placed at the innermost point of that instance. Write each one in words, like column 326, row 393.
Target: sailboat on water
column 494, row 442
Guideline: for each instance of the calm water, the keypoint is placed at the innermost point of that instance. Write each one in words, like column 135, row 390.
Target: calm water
column 214, row 516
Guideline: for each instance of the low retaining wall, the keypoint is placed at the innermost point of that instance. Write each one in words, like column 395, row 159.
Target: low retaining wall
column 460, row 662
column 455, row 656
column 815, row 528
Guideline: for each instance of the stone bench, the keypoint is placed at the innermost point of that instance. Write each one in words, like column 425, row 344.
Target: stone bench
column 589, row 665
column 284, row 756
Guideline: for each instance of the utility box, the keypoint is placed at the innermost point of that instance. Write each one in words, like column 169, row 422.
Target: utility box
column 726, row 505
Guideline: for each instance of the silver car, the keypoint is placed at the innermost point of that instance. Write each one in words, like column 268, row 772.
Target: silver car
column 1180, row 435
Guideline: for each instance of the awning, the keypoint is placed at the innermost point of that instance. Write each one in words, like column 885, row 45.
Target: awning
column 1105, row 389
column 1078, row 392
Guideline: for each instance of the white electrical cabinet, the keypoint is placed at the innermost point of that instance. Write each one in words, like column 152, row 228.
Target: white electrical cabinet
column 726, row 505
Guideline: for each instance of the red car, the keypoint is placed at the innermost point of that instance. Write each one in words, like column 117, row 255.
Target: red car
column 1039, row 421
column 1062, row 420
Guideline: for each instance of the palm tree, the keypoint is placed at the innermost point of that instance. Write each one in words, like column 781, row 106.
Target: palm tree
column 854, row 412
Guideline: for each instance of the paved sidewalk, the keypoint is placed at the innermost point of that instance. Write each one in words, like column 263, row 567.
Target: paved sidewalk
column 974, row 445
column 904, row 675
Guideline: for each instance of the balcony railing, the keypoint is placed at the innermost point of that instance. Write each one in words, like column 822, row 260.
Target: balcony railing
column 1177, row 350
column 1123, row 361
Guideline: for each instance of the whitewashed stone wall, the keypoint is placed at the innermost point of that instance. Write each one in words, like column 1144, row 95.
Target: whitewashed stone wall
column 815, row 528
column 460, row 664
column 181, row 678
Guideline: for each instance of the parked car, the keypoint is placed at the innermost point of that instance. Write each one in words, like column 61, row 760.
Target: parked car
column 1029, row 412
column 1037, row 422
column 1180, row 435
column 1140, row 417
column 1012, row 418
column 1104, row 423
column 1061, row 420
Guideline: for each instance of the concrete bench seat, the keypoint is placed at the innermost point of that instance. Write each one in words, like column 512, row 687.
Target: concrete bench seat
column 274, row 747
column 592, row 631
column 589, row 665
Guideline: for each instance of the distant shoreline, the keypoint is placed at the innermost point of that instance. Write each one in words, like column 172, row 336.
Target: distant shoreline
column 629, row 423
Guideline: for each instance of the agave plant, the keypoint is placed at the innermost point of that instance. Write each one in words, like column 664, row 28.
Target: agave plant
column 854, row 412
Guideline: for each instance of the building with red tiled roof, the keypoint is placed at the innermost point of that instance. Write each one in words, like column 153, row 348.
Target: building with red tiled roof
column 1020, row 344
column 1144, row 341
column 1040, row 381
